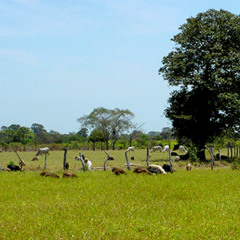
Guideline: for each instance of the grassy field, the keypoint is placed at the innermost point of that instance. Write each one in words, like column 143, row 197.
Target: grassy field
column 55, row 159
column 197, row 204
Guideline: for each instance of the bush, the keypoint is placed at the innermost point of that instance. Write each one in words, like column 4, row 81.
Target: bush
column 235, row 165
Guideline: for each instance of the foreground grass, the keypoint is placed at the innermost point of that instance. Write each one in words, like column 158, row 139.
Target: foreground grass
column 201, row 204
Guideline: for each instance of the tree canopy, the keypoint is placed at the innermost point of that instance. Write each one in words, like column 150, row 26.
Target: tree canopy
column 110, row 122
column 205, row 66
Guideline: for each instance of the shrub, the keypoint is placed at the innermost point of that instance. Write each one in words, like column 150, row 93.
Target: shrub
column 235, row 165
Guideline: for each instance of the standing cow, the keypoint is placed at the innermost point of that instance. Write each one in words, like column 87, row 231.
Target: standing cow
column 157, row 148
column 42, row 151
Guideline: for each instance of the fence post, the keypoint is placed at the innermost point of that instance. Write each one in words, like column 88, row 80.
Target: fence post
column 83, row 164
column 128, row 166
column 45, row 165
column 147, row 156
column 64, row 158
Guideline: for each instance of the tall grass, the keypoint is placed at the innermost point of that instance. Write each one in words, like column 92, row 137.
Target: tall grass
column 197, row 204
column 201, row 204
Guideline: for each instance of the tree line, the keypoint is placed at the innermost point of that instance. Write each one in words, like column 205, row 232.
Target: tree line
column 101, row 129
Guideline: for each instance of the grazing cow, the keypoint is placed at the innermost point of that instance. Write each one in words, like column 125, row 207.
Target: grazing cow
column 42, row 151
column 13, row 167
column 166, row 148
column 182, row 149
column 36, row 158
column 67, row 174
column 176, row 147
column 167, row 168
column 130, row 149
column 177, row 158
column 118, row 171
column 184, row 157
column 156, row 148
column 156, row 169
column 174, row 154
column 189, row 167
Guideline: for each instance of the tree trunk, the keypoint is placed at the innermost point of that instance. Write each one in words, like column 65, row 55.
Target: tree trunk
column 130, row 141
column 210, row 149
column 219, row 152
column 113, row 145
column 201, row 154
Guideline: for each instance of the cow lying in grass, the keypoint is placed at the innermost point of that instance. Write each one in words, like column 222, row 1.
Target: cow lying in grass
column 14, row 168
column 67, row 175
column 167, row 168
column 189, row 167
column 49, row 174
column 118, row 171
column 156, row 169
column 223, row 157
column 142, row 170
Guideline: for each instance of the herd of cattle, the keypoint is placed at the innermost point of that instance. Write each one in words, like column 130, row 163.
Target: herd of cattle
column 151, row 169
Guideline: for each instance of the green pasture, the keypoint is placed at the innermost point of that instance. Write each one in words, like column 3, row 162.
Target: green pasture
column 55, row 159
column 197, row 204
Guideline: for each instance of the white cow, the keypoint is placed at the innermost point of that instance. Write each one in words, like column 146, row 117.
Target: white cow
column 42, row 151
column 130, row 149
column 182, row 149
column 189, row 167
column 88, row 163
column 166, row 148
column 155, row 148
column 156, row 169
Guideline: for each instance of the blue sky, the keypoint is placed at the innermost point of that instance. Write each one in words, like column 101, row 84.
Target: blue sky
column 61, row 59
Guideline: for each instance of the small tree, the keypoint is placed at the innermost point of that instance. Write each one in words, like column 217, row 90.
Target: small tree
column 95, row 136
column 111, row 123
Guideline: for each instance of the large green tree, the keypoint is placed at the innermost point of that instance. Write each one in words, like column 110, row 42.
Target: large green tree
column 110, row 122
column 40, row 133
column 205, row 66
